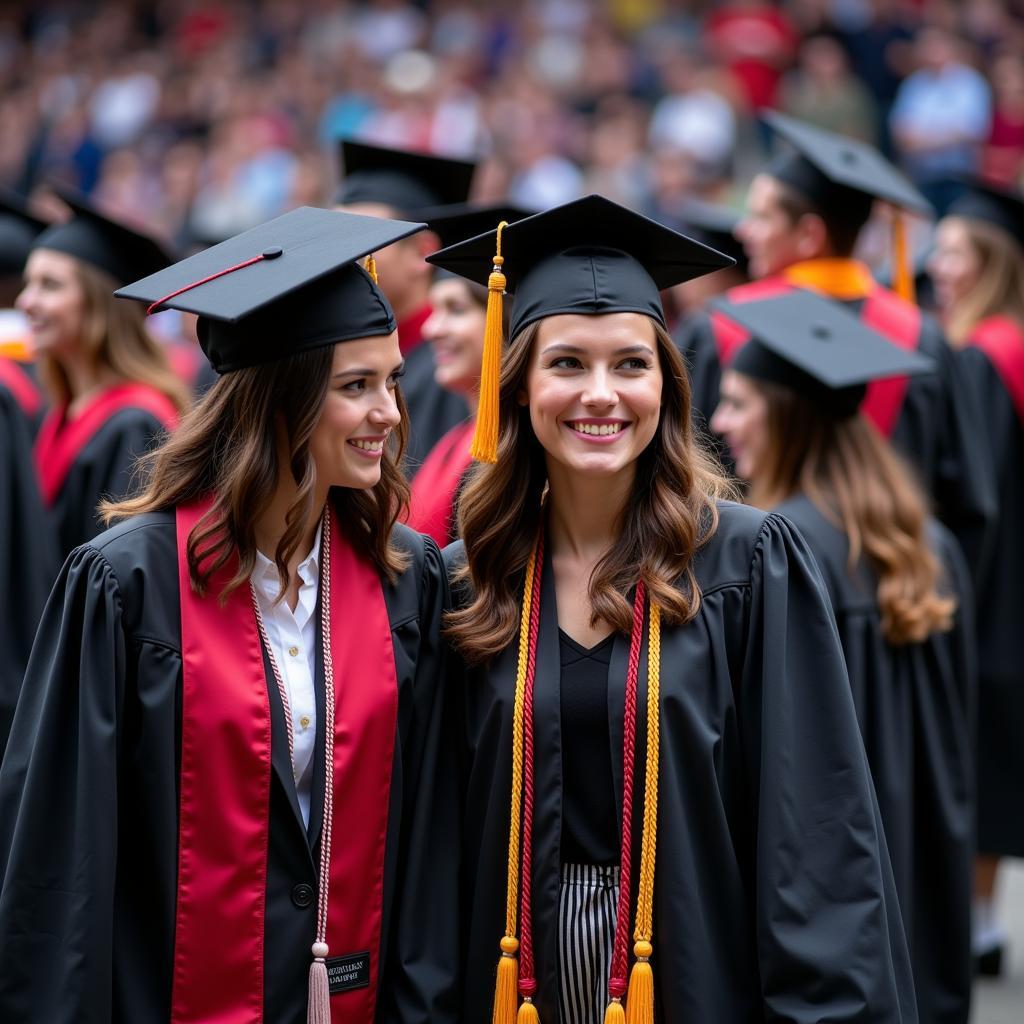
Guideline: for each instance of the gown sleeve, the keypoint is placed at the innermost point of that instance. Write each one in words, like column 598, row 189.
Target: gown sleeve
column 423, row 983
column 829, row 932
column 59, row 806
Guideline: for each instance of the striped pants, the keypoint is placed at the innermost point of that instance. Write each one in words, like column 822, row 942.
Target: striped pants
column 587, row 899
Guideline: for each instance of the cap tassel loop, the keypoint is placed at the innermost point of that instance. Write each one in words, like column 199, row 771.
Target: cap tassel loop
column 640, row 999
column 903, row 274
column 319, row 1007
column 371, row 268
column 485, row 436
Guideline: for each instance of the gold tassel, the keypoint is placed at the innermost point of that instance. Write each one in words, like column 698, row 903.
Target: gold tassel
column 485, row 436
column 902, row 272
column 371, row 268
column 615, row 1014
column 640, row 997
column 528, row 1013
column 506, row 985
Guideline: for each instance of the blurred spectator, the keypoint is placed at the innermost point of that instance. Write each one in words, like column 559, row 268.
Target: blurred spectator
column 941, row 116
column 1003, row 161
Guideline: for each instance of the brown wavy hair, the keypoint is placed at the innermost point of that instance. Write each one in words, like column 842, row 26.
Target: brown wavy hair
column 227, row 446
column 852, row 475
column 114, row 334
column 1000, row 287
column 671, row 513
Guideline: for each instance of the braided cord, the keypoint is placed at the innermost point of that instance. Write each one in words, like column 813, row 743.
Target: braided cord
column 648, row 843
column 327, row 828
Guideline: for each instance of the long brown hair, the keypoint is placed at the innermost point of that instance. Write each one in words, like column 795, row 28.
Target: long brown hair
column 114, row 334
column 852, row 475
column 999, row 290
column 227, row 447
column 670, row 514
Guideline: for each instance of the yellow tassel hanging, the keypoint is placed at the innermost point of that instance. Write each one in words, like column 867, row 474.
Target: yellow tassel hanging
column 640, row 998
column 902, row 272
column 528, row 1013
column 485, row 436
column 615, row 1014
column 506, row 985
column 371, row 268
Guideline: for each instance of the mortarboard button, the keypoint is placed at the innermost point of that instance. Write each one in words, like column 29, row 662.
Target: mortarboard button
column 272, row 252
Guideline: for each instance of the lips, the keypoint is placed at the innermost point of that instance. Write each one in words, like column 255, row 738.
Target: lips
column 368, row 447
column 600, row 431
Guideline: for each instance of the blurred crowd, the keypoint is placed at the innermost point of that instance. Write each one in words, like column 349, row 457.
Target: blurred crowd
column 201, row 118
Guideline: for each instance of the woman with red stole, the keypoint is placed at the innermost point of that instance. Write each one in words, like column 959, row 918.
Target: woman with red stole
column 978, row 270
column 111, row 390
column 227, row 791
column 668, row 810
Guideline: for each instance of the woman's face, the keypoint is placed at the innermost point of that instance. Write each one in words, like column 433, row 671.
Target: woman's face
column 593, row 389
column 359, row 412
column 455, row 330
column 53, row 300
column 742, row 420
column 955, row 265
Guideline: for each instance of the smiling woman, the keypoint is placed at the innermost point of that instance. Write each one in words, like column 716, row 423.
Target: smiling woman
column 250, row 667
column 650, row 679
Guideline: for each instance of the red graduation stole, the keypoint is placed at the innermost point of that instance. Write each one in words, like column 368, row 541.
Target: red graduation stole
column 225, row 789
column 22, row 386
column 61, row 441
column 1002, row 340
column 436, row 485
column 883, row 310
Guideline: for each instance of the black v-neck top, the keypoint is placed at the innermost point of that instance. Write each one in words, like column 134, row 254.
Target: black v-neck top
column 590, row 831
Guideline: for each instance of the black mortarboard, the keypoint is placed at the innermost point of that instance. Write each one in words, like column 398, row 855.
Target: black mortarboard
column 110, row 245
column 818, row 348
column 456, row 222
column 714, row 225
column 287, row 286
column 589, row 256
column 994, row 205
column 407, row 182
column 834, row 171
column 18, row 232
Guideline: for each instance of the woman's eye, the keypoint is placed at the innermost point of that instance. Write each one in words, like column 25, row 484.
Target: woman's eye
column 355, row 385
column 565, row 363
column 635, row 363
column 394, row 379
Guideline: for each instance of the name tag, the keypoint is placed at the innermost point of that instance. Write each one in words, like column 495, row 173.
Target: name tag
column 345, row 973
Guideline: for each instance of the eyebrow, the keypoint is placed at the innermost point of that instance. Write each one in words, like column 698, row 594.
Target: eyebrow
column 561, row 346
column 366, row 372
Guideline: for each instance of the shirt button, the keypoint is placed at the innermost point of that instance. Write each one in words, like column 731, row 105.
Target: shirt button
column 304, row 721
column 302, row 895
column 293, row 651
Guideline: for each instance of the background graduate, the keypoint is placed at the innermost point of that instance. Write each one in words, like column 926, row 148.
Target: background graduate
column 225, row 788
column 978, row 269
column 29, row 563
column 653, row 675
column 455, row 332
column 383, row 182
column 901, row 595
column 804, row 215
column 111, row 391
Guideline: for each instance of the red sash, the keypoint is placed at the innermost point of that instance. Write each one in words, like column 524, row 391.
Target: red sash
column 883, row 310
column 22, row 386
column 225, row 790
column 437, row 483
column 1002, row 340
column 61, row 441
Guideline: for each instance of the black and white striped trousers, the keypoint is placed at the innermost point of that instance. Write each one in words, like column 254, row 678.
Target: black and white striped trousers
column 587, row 900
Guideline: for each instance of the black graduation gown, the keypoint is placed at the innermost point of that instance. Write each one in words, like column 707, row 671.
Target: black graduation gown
column 999, row 620
column 89, row 809
column 916, row 705
column 103, row 469
column 433, row 411
column 773, row 894
column 938, row 429
column 29, row 558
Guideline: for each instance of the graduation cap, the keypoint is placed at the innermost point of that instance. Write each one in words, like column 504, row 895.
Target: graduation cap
column 18, row 231
column 96, row 239
column 456, row 222
column 714, row 225
column 288, row 286
column 408, row 182
column 815, row 346
column 589, row 256
column 1001, row 207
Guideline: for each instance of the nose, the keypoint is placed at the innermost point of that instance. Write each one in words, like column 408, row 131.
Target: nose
column 719, row 421
column 24, row 299
column 386, row 413
column 600, row 390
column 432, row 326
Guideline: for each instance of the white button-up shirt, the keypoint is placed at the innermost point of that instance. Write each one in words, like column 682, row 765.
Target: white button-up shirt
column 292, row 636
